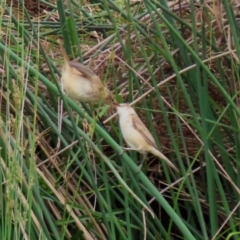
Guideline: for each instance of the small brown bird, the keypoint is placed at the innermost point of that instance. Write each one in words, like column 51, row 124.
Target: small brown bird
column 83, row 85
column 136, row 134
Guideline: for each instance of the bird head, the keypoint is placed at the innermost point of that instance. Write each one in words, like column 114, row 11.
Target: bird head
column 124, row 108
column 108, row 97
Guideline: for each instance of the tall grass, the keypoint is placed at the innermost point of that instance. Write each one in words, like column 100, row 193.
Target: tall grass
column 63, row 174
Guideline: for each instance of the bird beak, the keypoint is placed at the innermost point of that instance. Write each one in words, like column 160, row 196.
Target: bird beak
column 115, row 105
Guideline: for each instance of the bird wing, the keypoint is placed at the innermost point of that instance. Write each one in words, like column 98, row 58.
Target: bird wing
column 85, row 72
column 141, row 128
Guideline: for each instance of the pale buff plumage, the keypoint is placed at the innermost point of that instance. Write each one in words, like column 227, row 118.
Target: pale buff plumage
column 135, row 133
column 83, row 85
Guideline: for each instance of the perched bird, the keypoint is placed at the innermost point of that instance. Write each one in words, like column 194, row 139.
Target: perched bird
column 136, row 134
column 83, row 85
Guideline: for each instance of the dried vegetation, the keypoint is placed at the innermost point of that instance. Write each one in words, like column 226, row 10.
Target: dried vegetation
column 130, row 78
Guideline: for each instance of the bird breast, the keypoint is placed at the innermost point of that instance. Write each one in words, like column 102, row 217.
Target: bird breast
column 80, row 88
column 133, row 138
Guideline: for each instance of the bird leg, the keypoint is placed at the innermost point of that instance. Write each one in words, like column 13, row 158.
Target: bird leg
column 129, row 149
column 135, row 149
column 144, row 158
column 126, row 149
column 123, row 148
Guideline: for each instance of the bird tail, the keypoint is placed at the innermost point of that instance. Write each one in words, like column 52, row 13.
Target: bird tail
column 157, row 153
